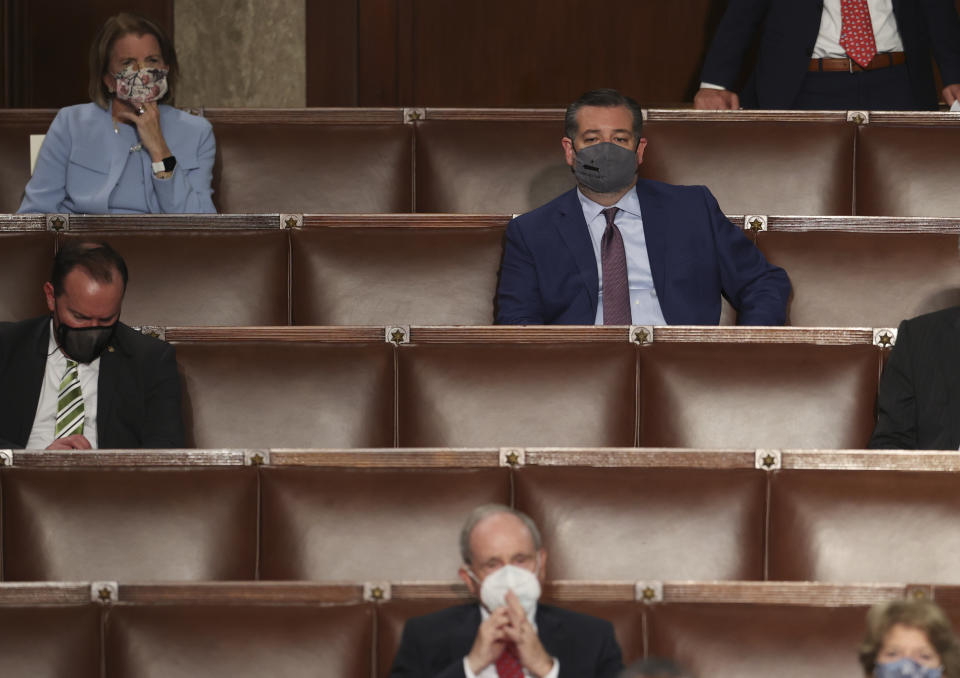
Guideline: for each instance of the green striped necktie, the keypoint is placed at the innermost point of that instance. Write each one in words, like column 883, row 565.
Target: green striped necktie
column 69, row 403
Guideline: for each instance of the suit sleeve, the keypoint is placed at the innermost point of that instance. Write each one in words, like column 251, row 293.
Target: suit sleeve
column 944, row 28
column 47, row 188
column 411, row 661
column 189, row 190
column 163, row 427
column 610, row 661
column 518, row 293
column 758, row 290
column 730, row 43
column 896, row 427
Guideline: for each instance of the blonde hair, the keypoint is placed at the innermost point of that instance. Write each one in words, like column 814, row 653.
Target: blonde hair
column 921, row 614
column 112, row 30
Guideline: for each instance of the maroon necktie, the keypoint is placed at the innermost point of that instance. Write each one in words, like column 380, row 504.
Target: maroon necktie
column 856, row 32
column 508, row 664
column 613, row 262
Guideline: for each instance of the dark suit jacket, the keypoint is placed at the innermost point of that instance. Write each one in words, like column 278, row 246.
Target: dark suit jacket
column 790, row 29
column 138, row 390
column 433, row 646
column 549, row 272
column 918, row 405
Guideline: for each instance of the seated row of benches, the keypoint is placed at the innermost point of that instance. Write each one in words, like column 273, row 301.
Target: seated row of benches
column 394, row 515
column 442, row 269
column 509, row 161
column 132, row 630
column 503, row 386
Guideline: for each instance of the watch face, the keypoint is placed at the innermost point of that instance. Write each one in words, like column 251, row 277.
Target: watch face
column 169, row 163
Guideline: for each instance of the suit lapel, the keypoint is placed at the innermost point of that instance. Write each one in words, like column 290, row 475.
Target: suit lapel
column 656, row 224
column 34, row 370
column 553, row 634
column 576, row 236
column 108, row 385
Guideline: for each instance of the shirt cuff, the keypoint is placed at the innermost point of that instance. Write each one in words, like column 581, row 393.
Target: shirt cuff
column 710, row 85
column 466, row 669
column 555, row 671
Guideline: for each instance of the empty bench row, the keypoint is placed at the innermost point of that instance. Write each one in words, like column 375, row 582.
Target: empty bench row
column 625, row 515
column 239, row 630
column 510, row 161
column 442, row 270
column 504, row 386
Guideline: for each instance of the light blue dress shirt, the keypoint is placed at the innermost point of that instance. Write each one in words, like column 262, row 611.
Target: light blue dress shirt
column 644, row 304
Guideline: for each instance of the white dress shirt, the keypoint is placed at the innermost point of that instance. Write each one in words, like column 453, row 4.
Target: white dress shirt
column 45, row 420
column 490, row 671
column 644, row 305
column 885, row 32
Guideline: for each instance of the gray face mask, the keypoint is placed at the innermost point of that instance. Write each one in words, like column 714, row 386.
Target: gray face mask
column 605, row 167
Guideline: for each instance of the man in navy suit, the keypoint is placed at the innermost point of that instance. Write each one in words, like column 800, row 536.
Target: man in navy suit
column 801, row 63
column 509, row 632
column 562, row 260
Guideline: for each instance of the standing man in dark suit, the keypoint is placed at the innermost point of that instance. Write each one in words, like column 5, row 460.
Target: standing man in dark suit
column 618, row 250
column 834, row 54
column 80, row 379
column 918, row 404
column 509, row 633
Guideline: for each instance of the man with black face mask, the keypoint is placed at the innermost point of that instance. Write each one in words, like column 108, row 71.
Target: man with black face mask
column 80, row 379
column 619, row 250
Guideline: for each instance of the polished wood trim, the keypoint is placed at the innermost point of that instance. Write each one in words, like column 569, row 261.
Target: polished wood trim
column 781, row 593
column 639, row 457
column 871, row 460
column 949, row 225
column 137, row 458
column 173, row 222
column 303, row 333
column 388, row 458
column 412, row 220
column 44, row 593
column 242, row 592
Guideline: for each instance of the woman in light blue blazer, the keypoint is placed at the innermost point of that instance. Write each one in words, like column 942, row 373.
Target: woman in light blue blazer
column 126, row 152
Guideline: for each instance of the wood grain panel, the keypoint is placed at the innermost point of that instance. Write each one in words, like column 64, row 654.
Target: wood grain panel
column 50, row 39
column 332, row 38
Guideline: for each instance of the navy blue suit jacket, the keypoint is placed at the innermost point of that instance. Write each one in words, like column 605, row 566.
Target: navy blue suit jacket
column 790, row 29
column 549, row 272
column 433, row 646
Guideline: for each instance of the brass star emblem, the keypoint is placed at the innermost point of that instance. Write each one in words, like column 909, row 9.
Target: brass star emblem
column 858, row 118
column 919, row 594
column 756, row 225
column 414, row 115
column 257, row 459
column 649, row 593
column 397, row 336
column 292, row 222
column 3, row 461
column 769, row 460
column 376, row 593
column 885, row 339
column 57, row 223
column 513, row 458
column 641, row 336
column 104, row 594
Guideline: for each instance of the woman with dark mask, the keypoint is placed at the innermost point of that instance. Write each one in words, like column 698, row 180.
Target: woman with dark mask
column 127, row 151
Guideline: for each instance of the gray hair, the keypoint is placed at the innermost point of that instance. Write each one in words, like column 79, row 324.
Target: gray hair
column 654, row 668
column 485, row 511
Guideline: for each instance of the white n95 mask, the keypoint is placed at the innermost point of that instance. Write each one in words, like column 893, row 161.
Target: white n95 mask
column 523, row 583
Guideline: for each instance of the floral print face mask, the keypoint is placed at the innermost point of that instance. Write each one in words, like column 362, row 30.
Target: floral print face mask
column 143, row 86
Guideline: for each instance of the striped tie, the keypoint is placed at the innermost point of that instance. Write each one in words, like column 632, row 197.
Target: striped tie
column 69, row 403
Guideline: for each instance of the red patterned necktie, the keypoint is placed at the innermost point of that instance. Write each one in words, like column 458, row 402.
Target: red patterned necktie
column 508, row 664
column 856, row 33
column 613, row 262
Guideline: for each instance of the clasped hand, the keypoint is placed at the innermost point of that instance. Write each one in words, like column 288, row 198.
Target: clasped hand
column 147, row 124
column 505, row 625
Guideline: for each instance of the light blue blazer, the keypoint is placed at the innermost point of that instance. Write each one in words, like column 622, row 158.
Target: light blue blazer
column 82, row 158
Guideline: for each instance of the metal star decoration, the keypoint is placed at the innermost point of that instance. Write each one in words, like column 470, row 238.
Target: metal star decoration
column 397, row 336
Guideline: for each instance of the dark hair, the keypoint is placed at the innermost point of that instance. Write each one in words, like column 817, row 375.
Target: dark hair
column 112, row 30
column 605, row 98
column 921, row 614
column 96, row 258
column 654, row 668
